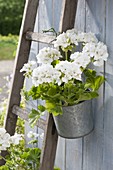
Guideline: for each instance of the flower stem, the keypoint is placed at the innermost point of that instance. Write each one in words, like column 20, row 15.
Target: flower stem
column 66, row 54
column 1, row 157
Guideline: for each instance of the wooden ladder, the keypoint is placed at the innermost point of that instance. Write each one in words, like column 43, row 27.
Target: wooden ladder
column 27, row 35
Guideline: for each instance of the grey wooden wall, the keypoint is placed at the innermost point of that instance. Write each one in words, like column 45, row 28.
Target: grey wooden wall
column 95, row 151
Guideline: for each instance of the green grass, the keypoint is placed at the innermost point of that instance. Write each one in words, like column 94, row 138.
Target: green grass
column 8, row 46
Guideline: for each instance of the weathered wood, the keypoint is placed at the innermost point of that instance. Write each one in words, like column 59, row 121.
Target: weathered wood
column 50, row 145
column 108, row 100
column 21, row 58
column 66, row 23
column 60, row 160
column 22, row 113
column 38, row 37
column 74, row 154
column 80, row 16
column 74, row 147
column 69, row 8
column 93, row 143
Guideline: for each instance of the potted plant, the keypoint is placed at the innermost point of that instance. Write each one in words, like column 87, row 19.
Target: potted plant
column 67, row 82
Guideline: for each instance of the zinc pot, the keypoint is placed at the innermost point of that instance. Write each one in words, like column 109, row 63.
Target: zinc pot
column 76, row 121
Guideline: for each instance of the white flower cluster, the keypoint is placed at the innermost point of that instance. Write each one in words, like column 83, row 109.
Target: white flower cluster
column 45, row 74
column 62, row 40
column 91, row 47
column 34, row 135
column 80, row 59
column 73, row 37
column 87, row 37
column 47, row 55
column 63, row 71
column 98, row 51
column 28, row 68
column 6, row 140
column 68, row 71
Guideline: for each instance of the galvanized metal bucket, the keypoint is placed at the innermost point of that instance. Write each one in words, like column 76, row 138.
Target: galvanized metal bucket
column 76, row 121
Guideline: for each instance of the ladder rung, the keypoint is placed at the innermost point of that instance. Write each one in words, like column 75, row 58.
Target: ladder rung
column 38, row 37
column 41, row 123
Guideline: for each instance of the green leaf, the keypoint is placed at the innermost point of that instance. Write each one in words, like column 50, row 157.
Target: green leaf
column 34, row 93
column 55, row 62
column 53, row 108
column 86, row 96
column 55, row 168
column 41, row 108
column 99, row 80
column 1, row 157
column 25, row 155
column 4, row 167
column 34, row 155
column 89, row 73
column 33, row 141
column 33, row 117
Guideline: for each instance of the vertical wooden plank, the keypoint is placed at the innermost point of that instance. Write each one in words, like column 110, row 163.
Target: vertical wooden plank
column 93, row 143
column 44, row 23
column 28, row 84
column 108, row 102
column 57, row 5
column 51, row 136
column 60, row 160
column 21, row 58
column 74, row 147
column 73, row 154
column 45, row 15
column 80, row 16
column 68, row 14
column 50, row 145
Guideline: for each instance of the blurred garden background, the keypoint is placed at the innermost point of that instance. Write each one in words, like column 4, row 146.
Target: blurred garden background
column 10, row 21
column 11, row 12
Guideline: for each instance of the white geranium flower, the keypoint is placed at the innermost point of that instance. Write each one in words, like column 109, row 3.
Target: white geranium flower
column 101, row 52
column 45, row 74
column 80, row 59
column 16, row 138
column 42, row 136
column 6, row 144
column 90, row 49
column 2, row 148
column 97, row 51
column 47, row 55
column 2, row 131
column 32, row 134
column 87, row 37
column 4, row 139
column 98, row 63
column 28, row 68
column 69, row 71
column 73, row 36
column 62, row 40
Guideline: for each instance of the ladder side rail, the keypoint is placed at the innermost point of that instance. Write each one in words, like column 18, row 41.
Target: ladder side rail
column 67, row 21
column 49, row 145
column 22, row 56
